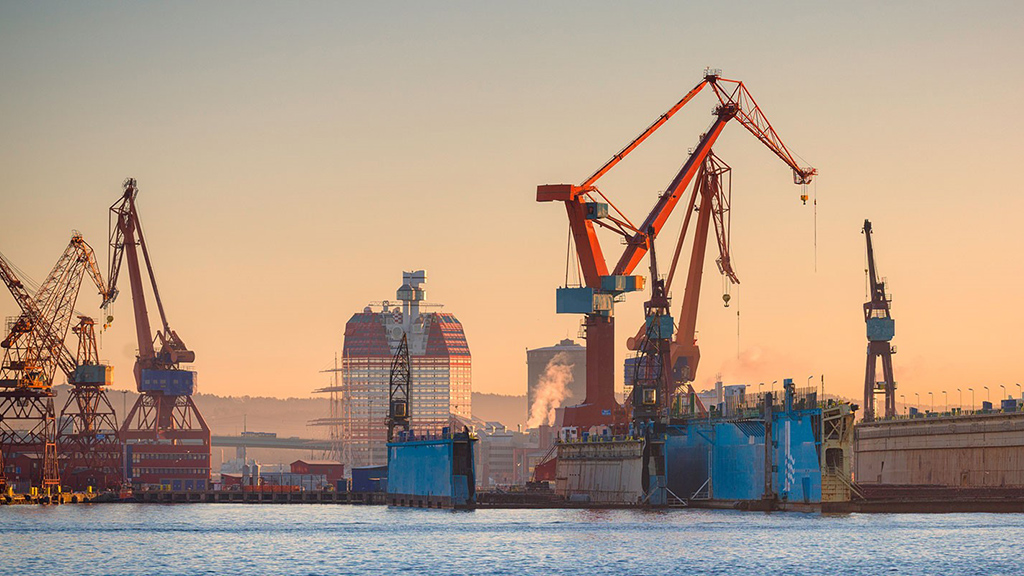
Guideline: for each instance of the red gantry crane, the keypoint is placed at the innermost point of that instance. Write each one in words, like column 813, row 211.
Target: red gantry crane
column 880, row 330
column 89, row 440
column 587, row 208
column 168, row 441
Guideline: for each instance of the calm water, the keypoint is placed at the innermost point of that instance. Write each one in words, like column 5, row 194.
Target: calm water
column 333, row 539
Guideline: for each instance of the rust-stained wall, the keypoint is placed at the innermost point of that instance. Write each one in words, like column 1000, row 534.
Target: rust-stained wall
column 600, row 472
column 982, row 450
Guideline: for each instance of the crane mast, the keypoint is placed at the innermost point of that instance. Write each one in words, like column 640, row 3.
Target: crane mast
column 652, row 384
column 588, row 208
column 168, row 436
column 881, row 329
column 399, row 390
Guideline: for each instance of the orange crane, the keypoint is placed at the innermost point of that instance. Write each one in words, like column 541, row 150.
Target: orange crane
column 168, row 440
column 587, row 208
column 711, row 200
column 34, row 350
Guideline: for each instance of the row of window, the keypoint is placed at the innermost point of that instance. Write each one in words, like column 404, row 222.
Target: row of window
column 193, row 471
column 137, row 457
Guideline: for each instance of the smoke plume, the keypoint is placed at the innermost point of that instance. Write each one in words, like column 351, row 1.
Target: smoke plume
column 552, row 389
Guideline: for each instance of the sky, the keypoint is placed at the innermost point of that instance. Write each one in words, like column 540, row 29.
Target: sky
column 294, row 158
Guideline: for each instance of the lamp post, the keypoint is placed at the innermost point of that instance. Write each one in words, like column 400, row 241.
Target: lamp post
column 945, row 400
column 903, row 397
column 931, row 396
column 918, row 396
column 759, row 384
column 1019, row 392
column 972, row 398
column 961, row 404
column 774, row 382
column 1004, row 392
column 988, row 395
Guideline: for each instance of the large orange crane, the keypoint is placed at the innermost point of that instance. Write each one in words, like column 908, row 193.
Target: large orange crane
column 168, row 439
column 587, row 207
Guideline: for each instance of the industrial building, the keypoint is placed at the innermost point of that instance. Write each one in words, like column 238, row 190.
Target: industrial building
column 440, row 365
column 539, row 361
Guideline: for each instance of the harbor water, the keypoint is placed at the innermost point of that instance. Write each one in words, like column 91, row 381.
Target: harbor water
column 116, row 539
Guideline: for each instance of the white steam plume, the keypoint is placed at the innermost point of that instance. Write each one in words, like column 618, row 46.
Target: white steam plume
column 551, row 390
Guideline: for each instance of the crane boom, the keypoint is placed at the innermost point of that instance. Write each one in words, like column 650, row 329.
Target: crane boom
column 127, row 239
column 589, row 182
column 46, row 316
column 749, row 114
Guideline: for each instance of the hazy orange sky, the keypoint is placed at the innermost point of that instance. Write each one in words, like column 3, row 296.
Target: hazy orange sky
column 294, row 158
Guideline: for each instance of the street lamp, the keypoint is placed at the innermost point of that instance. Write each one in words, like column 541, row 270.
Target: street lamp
column 918, row 396
column 988, row 395
column 1004, row 392
column 759, row 384
column 945, row 400
column 903, row 397
column 961, row 405
column 1019, row 392
column 774, row 382
column 972, row 398
column 931, row 395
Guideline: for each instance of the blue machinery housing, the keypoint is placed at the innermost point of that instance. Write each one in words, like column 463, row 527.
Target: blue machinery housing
column 432, row 471
column 725, row 460
column 806, row 459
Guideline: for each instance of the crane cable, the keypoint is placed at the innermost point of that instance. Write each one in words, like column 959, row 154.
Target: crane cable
column 569, row 252
column 815, row 225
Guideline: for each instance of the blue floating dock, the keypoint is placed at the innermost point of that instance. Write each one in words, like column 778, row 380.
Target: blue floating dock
column 432, row 471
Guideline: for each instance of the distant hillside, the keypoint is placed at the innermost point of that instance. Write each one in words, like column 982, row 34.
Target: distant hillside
column 229, row 415
column 509, row 410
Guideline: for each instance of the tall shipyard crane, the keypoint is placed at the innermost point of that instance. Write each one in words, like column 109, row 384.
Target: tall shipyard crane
column 168, row 439
column 652, row 382
column 89, row 440
column 711, row 200
column 34, row 350
column 587, row 208
column 399, row 391
column 881, row 329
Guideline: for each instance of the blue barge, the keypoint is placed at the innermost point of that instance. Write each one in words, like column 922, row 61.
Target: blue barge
column 432, row 471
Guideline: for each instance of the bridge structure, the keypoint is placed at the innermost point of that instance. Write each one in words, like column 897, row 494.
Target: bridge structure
column 293, row 443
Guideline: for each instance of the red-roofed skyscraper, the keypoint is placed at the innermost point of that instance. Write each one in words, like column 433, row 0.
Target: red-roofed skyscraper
column 441, row 368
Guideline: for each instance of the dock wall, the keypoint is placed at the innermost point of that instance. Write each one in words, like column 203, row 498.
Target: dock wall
column 969, row 451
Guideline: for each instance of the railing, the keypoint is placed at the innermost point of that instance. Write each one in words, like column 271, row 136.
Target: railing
column 839, row 474
column 952, row 413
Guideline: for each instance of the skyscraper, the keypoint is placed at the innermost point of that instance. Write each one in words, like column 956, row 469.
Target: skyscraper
column 441, row 369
